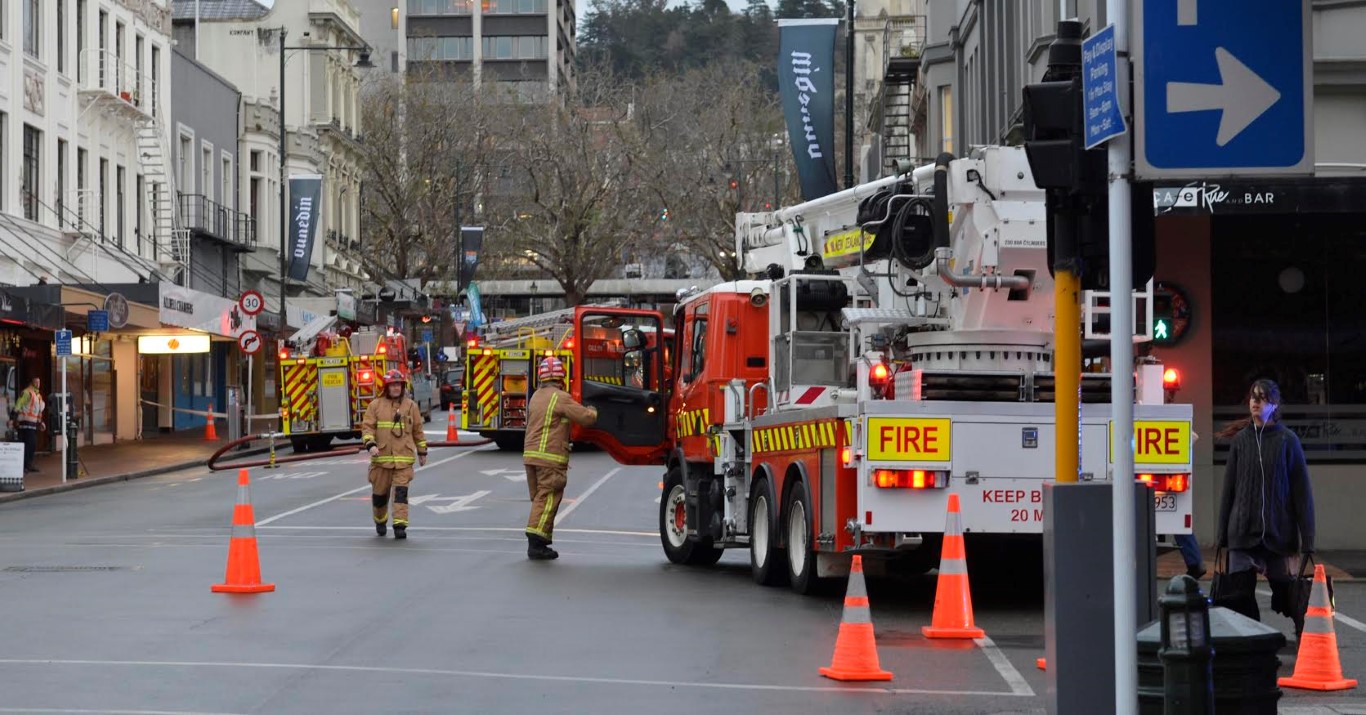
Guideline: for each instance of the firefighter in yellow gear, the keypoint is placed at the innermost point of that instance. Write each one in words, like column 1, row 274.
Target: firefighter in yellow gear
column 545, row 453
column 392, row 433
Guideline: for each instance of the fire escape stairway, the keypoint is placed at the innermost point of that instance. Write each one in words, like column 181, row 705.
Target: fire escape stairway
column 170, row 237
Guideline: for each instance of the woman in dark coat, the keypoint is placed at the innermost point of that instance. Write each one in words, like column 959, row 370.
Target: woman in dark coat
column 1266, row 515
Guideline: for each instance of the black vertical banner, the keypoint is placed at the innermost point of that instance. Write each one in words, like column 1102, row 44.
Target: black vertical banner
column 806, row 84
column 305, row 206
column 471, row 242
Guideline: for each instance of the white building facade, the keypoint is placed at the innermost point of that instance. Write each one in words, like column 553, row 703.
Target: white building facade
column 240, row 41
column 86, row 83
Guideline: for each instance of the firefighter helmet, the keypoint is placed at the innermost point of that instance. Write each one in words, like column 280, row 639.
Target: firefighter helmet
column 393, row 376
column 550, row 369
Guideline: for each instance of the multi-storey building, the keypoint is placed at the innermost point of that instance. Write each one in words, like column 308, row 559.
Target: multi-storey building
column 530, row 43
column 1258, row 276
column 240, row 41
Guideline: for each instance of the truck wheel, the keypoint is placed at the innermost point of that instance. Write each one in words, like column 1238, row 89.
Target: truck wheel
column 765, row 558
column 321, row 443
column 801, row 558
column 673, row 526
column 508, row 442
column 300, row 445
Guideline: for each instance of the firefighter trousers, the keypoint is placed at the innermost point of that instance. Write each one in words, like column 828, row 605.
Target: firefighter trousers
column 531, row 480
column 383, row 480
column 550, row 483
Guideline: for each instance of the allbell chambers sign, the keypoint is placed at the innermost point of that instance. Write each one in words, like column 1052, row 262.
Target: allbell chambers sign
column 188, row 308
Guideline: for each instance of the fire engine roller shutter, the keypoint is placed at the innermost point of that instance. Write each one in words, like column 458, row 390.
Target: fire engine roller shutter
column 334, row 399
column 300, row 383
column 486, row 397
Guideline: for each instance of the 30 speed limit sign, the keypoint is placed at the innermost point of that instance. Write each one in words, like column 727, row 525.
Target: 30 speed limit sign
column 252, row 302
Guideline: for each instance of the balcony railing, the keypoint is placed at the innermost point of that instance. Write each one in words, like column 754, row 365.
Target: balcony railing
column 106, row 76
column 210, row 219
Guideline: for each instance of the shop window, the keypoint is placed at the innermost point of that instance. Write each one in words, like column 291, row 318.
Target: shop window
column 1286, row 306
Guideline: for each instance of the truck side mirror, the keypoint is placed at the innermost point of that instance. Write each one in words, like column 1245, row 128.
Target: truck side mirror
column 631, row 339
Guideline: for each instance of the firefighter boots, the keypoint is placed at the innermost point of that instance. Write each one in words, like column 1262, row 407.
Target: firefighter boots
column 538, row 549
column 400, row 531
column 381, row 528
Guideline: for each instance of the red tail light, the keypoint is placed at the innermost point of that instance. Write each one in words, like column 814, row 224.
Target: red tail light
column 569, row 344
column 1166, row 482
column 472, row 343
column 365, row 377
column 284, row 354
column 908, row 479
column 1171, row 379
column 382, row 350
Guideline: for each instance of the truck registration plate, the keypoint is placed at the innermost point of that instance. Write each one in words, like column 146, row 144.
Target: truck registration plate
column 1164, row 502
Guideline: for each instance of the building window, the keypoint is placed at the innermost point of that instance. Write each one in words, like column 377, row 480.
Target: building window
column 138, row 45
column 80, row 40
column 184, row 170
column 516, row 7
column 206, row 184
column 103, row 42
column 520, row 47
column 104, row 198
column 156, row 80
column 140, row 196
column 83, row 206
column 33, row 27
column 61, row 36
column 121, row 83
column 28, row 172
column 946, row 118
column 225, row 195
column 62, row 219
column 120, row 210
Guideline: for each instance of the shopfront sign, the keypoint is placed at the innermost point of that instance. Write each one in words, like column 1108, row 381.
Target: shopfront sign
column 346, row 306
column 172, row 344
column 187, row 308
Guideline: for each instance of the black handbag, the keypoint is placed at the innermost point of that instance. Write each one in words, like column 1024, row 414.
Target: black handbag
column 1291, row 598
column 1234, row 591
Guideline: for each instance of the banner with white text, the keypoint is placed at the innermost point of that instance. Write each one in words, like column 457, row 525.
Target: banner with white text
column 806, row 84
column 305, row 208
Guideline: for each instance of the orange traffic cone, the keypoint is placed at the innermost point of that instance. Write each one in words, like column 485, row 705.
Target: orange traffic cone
column 953, row 597
column 1317, row 666
column 244, row 563
column 210, row 432
column 856, row 648
column 452, row 435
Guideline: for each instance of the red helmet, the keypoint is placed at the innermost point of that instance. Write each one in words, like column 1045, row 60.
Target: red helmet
column 393, row 376
column 550, row 369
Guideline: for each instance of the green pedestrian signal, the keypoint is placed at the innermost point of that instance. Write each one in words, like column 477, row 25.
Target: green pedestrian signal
column 1161, row 329
column 1172, row 313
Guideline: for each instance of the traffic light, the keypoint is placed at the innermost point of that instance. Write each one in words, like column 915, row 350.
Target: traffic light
column 1075, row 178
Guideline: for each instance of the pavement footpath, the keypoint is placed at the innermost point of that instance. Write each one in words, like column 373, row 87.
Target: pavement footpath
column 121, row 461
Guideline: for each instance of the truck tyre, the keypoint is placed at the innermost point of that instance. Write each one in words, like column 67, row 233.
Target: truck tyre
column 765, row 558
column 301, row 445
column 673, row 526
column 509, row 441
column 320, row 443
column 801, row 558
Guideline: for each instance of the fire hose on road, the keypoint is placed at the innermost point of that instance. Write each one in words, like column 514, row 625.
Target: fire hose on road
column 334, row 452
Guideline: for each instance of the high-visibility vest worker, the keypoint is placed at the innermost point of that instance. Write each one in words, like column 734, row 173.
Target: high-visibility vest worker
column 392, row 434
column 545, row 452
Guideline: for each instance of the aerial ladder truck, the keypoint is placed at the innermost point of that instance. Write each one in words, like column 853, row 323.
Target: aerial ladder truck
column 893, row 345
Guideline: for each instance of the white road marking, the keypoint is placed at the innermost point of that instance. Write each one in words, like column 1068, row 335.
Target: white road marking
column 1017, row 683
column 294, row 475
column 1344, row 620
column 106, row 711
column 459, row 503
column 445, row 528
column 570, row 509
column 845, row 689
column 357, row 490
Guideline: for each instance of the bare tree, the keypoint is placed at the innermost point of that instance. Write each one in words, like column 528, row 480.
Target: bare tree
column 568, row 200
column 426, row 152
column 714, row 141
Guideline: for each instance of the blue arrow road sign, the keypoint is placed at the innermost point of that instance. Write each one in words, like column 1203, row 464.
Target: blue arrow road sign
column 1223, row 88
column 1103, row 118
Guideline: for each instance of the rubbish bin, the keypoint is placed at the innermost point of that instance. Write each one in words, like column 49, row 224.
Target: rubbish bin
column 1245, row 665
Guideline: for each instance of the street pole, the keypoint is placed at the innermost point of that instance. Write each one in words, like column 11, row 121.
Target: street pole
column 284, row 195
column 1121, row 385
column 66, row 435
column 848, row 104
column 1067, row 348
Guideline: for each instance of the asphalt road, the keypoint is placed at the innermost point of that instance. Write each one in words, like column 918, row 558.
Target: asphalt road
column 107, row 608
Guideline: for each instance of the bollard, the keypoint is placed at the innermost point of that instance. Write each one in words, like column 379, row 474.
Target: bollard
column 272, row 464
column 73, row 461
column 1187, row 654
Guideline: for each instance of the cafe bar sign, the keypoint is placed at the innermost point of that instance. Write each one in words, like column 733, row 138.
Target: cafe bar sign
column 172, row 344
column 188, row 308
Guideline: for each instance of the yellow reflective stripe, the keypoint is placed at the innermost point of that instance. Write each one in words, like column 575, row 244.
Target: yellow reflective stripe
column 394, row 459
column 367, row 437
column 422, row 444
column 549, row 420
column 556, row 458
column 383, row 424
column 545, row 513
column 538, row 532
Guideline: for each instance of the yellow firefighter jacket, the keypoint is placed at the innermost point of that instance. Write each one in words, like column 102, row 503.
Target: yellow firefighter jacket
column 395, row 426
column 548, row 417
